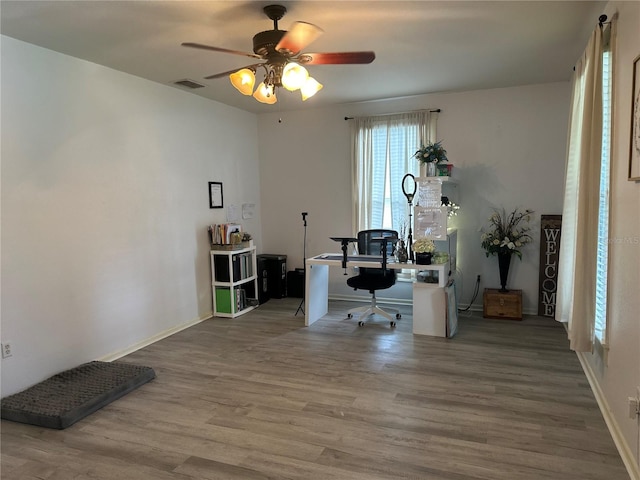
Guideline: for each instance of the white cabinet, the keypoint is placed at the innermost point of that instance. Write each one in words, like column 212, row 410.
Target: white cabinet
column 234, row 281
column 429, row 310
column 435, row 310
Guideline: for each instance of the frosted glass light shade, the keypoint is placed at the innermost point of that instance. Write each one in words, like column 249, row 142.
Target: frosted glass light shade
column 265, row 94
column 243, row 80
column 294, row 76
column 310, row 88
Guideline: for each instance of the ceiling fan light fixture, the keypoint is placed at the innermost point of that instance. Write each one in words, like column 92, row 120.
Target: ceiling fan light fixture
column 265, row 94
column 279, row 52
column 310, row 88
column 244, row 80
column 294, row 76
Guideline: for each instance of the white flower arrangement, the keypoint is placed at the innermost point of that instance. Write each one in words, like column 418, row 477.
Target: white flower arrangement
column 504, row 236
column 424, row 245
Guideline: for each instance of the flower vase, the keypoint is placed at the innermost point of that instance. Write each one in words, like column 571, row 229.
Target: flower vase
column 401, row 252
column 423, row 258
column 432, row 169
column 504, row 259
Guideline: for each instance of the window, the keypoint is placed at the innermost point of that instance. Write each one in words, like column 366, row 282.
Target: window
column 603, row 205
column 383, row 154
column 581, row 299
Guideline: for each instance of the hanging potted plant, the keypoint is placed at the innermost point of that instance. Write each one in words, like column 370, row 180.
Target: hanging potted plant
column 431, row 155
column 505, row 236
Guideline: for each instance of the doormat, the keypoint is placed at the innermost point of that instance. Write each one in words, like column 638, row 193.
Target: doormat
column 65, row 398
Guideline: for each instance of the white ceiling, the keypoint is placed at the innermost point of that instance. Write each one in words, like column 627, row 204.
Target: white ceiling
column 421, row 46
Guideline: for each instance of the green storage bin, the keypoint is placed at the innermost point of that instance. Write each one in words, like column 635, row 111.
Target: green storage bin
column 223, row 300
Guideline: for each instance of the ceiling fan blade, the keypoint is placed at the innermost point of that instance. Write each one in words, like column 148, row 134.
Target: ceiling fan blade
column 298, row 37
column 225, row 74
column 336, row 58
column 218, row 49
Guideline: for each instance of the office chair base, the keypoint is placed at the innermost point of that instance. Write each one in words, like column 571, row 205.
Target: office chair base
column 373, row 309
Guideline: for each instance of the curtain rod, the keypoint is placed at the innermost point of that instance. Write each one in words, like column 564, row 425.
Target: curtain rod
column 437, row 110
column 602, row 19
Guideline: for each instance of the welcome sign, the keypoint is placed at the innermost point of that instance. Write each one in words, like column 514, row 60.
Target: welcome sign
column 550, row 228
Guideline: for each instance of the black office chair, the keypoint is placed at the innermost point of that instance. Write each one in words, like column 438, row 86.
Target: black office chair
column 370, row 243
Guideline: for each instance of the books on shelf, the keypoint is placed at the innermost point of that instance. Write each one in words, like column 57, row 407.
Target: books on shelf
column 243, row 301
column 241, row 297
column 220, row 234
column 242, row 267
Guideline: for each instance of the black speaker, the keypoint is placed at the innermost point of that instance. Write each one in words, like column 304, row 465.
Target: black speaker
column 295, row 283
column 276, row 274
column 263, row 280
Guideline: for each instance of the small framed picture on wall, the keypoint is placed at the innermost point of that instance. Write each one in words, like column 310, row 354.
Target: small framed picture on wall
column 634, row 147
column 215, row 195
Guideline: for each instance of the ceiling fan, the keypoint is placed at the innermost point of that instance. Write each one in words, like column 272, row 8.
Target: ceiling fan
column 280, row 52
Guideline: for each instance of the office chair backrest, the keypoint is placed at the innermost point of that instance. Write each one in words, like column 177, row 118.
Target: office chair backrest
column 369, row 243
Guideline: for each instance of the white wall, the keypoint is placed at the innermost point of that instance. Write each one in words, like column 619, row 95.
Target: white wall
column 105, row 207
column 507, row 145
column 618, row 377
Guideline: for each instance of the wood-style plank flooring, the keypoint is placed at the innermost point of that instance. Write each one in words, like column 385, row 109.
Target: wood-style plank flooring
column 263, row 397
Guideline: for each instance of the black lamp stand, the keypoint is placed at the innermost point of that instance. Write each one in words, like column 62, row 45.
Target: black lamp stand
column 304, row 260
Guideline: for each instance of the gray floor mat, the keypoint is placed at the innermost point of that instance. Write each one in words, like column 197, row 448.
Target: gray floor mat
column 67, row 397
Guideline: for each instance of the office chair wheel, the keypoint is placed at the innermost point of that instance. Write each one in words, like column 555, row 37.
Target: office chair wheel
column 398, row 316
column 392, row 323
column 361, row 323
column 349, row 315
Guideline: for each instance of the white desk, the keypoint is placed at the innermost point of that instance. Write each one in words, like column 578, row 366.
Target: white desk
column 316, row 296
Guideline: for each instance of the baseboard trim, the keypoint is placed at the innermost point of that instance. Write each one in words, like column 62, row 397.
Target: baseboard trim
column 155, row 338
column 621, row 444
column 474, row 307
column 361, row 299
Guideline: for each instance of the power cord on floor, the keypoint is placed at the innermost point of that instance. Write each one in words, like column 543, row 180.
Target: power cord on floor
column 473, row 298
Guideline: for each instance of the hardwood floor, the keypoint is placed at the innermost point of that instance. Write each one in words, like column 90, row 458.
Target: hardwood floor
column 263, row 397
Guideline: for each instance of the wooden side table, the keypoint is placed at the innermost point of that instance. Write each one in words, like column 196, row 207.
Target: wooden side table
column 506, row 305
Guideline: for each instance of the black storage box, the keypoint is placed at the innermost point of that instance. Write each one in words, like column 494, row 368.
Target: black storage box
column 276, row 274
column 263, row 279
column 295, row 283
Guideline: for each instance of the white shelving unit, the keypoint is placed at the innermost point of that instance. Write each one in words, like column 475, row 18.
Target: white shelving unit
column 430, row 314
column 234, row 281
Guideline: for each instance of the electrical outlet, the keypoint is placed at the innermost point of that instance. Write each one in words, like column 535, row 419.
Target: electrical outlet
column 6, row 350
column 478, row 279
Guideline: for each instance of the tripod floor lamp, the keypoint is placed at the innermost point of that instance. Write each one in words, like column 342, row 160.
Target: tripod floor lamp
column 304, row 259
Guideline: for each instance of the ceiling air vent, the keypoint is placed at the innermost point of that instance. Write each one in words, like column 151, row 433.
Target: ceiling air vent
column 188, row 84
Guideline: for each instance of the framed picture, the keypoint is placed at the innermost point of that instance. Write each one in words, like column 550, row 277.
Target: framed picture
column 215, row 195
column 634, row 147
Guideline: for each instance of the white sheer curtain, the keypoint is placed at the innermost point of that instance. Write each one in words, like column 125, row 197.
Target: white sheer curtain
column 576, row 294
column 382, row 154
